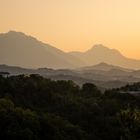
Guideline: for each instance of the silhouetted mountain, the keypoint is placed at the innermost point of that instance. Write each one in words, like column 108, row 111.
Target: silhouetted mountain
column 14, row 70
column 108, row 78
column 18, row 49
column 100, row 53
column 105, row 67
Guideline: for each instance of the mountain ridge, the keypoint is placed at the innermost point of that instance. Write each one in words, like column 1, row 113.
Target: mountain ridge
column 99, row 53
column 105, row 67
column 22, row 50
column 19, row 49
column 107, row 79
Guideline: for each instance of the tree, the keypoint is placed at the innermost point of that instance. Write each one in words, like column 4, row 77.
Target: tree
column 90, row 90
column 130, row 122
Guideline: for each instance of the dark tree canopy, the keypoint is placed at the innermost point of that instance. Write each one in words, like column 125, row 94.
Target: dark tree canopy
column 36, row 108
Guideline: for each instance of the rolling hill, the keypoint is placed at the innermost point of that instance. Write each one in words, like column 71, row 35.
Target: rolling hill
column 109, row 78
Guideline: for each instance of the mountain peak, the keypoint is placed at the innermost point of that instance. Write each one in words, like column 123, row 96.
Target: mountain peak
column 103, row 64
column 12, row 32
column 20, row 35
column 99, row 47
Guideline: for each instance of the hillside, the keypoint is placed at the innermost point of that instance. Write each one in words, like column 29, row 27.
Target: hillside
column 36, row 108
column 110, row 77
column 100, row 53
column 18, row 49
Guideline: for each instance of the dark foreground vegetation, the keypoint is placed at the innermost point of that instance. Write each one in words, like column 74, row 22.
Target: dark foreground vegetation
column 35, row 108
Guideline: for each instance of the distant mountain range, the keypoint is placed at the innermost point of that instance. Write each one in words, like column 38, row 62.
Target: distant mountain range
column 104, row 67
column 100, row 53
column 102, row 74
column 18, row 49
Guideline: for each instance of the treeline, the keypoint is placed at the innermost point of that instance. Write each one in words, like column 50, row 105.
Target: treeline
column 36, row 108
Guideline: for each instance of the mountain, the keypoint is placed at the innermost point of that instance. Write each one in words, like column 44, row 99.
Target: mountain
column 59, row 74
column 14, row 70
column 100, row 53
column 18, row 49
column 111, row 78
column 107, row 72
column 104, row 67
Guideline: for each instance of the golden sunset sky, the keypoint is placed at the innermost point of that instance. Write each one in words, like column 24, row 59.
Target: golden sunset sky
column 76, row 25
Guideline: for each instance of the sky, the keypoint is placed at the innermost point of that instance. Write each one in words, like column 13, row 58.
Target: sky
column 76, row 25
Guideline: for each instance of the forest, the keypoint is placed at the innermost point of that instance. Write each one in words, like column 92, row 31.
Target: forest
column 37, row 108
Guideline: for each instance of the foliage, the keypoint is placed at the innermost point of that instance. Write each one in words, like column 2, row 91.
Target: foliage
column 36, row 108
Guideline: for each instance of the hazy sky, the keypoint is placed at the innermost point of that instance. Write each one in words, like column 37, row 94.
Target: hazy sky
column 76, row 24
